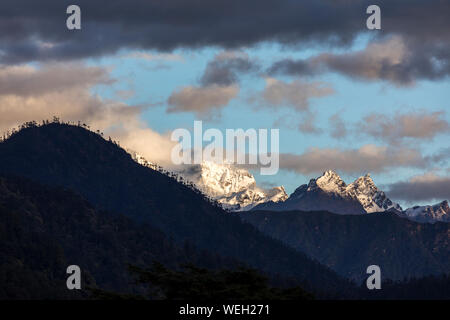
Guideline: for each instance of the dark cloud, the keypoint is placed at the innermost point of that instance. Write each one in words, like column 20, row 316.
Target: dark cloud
column 428, row 187
column 441, row 157
column 293, row 67
column 225, row 67
column 337, row 126
column 396, row 59
column 218, row 86
column 36, row 30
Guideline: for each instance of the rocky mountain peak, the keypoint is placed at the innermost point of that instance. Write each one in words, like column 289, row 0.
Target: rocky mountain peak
column 437, row 212
column 330, row 192
column 330, row 181
column 235, row 188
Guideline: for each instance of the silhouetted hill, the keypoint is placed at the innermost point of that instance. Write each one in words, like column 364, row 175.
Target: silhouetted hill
column 103, row 173
column 426, row 288
column 349, row 243
column 43, row 230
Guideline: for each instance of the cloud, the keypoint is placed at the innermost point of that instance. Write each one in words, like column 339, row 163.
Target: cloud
column 396, row 59
column 307, row 124
column 38, row 33
column 419, row 125
column 28, row 81
column 295, row 94
column 45, row 92
column 441, row 157
column 224, row 68
column 368, row 158
column 203, row 101
column 218, row 85
column 379, row 60
column 427, row 187
column 337, row 126
column 155, row 57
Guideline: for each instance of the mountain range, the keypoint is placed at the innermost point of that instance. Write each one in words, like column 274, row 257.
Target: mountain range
column 330, row 193
column 105, row 175
column 437, row 212
column 44, row 229
column 236, row 190
column 400, row 247
column 68, row 196
column 233, row 187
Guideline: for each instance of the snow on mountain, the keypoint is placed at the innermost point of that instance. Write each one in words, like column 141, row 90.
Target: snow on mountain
column 438, row 212
column 328, row 182
column 362, row 190
column 371, row 198
column 329, row 192
column 236, row 190
column 233, row 187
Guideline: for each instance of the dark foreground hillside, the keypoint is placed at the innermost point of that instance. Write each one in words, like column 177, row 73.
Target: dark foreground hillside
column 104, row 174
column 43, row 230
column 349, row 243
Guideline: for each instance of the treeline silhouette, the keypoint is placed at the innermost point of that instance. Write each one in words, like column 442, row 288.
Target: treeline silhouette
column 189, row 282
column 43, row 230
column 62, row 155
column 349, row 243
column 85, row 201
column 425, row 288
column 154, row 166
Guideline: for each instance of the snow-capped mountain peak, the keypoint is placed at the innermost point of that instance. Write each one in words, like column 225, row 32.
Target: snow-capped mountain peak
column 330, row 181
column 224, row 179
column 235, row 188
column 362, row 190
column 371, row 198
column 329, row 192
column 433, row 213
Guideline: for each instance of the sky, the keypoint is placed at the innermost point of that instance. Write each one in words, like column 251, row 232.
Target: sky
column 343, row 97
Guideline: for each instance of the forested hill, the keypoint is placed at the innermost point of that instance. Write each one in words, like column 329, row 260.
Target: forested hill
column 99, row 170
column 43, row 230
column 349, row 243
